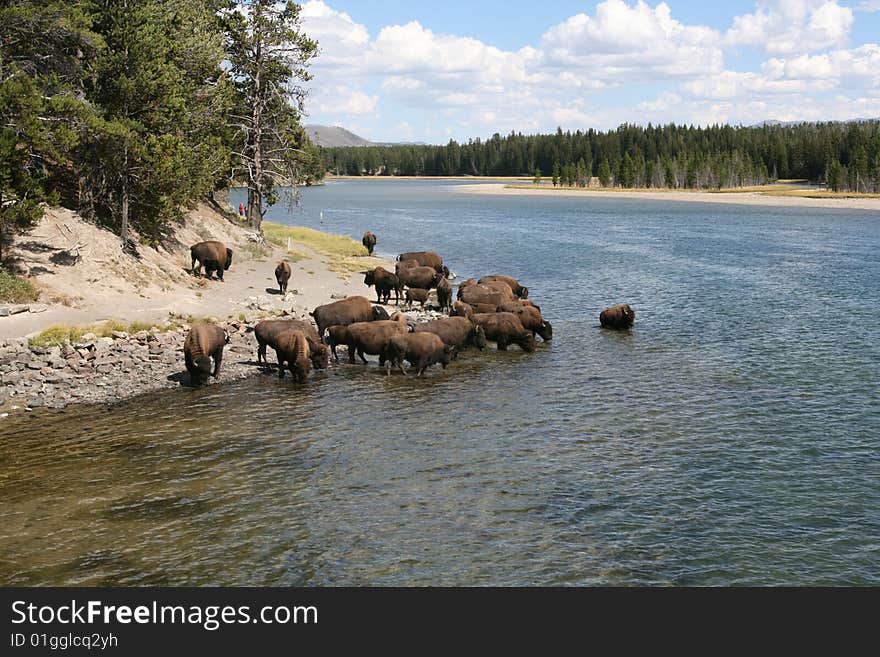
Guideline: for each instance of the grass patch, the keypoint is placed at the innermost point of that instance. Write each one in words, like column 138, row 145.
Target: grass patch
column 16, row 290
column 60, row 334
column 253, row 251
column 334, row 246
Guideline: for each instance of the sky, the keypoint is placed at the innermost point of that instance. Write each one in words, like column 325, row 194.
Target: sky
column 434, row 70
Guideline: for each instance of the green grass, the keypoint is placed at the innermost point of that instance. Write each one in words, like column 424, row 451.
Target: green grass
column 60, row 334
column 16, row 290
column 334, row 246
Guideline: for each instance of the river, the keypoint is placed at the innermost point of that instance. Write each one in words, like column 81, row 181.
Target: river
column 731, row 438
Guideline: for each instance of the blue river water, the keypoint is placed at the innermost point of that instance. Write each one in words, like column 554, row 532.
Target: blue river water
column 732, row 437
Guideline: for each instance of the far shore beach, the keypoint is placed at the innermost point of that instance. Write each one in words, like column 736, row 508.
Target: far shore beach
column 736, row 198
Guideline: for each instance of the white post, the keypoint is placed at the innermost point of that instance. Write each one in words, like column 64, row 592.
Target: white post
column 322, row 217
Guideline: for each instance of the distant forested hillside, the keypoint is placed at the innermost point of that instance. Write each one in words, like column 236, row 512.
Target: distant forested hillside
column 846, row 156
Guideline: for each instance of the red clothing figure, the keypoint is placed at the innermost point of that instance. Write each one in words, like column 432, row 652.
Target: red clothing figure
column 240, row 209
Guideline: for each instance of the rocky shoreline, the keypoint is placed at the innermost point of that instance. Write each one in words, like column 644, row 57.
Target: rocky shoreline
column 106, row 370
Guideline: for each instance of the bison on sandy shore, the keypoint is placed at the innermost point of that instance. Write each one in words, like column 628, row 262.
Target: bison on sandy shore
column 282, row 275
column 369, row 242
column 213, row 256
column 384, row 282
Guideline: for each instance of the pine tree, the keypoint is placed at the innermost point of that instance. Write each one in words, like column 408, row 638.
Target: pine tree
column 604, row 173
column 556, row 173
column 269, row 57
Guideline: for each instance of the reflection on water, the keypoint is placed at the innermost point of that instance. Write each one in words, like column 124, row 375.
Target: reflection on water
column 730, row 438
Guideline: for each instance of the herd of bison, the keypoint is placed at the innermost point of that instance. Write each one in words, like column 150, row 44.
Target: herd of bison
column 494, row 308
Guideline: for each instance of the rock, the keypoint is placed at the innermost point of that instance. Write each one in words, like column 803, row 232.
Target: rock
column 105, row 369
column 56, row 377
column 5, row 311
column 35, row 365
column 102, row 344
column 11, row 378
column 89, row 337
column 241, row 349
column 37, row 308
column 119, row 335
column 37, row 349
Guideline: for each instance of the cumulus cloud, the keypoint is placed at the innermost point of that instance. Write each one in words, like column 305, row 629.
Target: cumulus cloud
column 790, row 26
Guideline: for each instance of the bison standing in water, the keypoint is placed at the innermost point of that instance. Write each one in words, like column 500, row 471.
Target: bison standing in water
column 369, row 242
column 457, row 332
column 211, row 255
column 268, row 331
column 204, row 342
column 282, row 275
column 346, row 311
column 293, row 348
column 505, row 329
column 420, row 349
column 372, row 337
column 620, row 316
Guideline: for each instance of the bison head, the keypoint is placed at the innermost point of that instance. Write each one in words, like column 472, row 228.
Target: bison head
column 228, row 259
column 521, row 291
column 478, row 337
column 546, row 331
column 526, row 341
column 379, row 313
column 447, row 356
column 369, row 278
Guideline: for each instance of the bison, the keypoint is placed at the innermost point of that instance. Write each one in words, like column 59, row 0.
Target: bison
column 268, row 330
column 336, row 335
column 423, row 277
column 282, row 275
column 520, row 291
column 531, row 319
column 505, row 329
column 461, row 309
column 463, row 286
column 456, row 332
column 292, row 348
column 620, row 316
column 384, row 281
column 346, row 311
column 211, row 255
column 420, row 349
column 486, row 294
column 372, row 337
column 369, row 242
column 414, row 294
column 425, row 259
column 444, row 295
column 204, row 342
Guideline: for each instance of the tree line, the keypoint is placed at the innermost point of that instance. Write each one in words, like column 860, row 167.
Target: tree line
column 129, row 111
column 845, row 156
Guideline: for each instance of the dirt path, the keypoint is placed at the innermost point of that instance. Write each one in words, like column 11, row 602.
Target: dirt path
column 107, row 284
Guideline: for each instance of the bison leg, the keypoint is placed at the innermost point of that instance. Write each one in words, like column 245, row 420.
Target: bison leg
column 502, row 345
column 401, row 366
column 280, row 367
column 361, row 354
column 196, row 270
column 218, row 358
column 261, row 353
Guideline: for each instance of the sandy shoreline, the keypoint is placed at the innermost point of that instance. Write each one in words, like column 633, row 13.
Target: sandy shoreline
column 739, row 198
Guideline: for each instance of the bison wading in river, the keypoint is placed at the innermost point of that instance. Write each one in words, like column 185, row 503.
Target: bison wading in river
column 292, row 348
column 505, row 329
column 372, row 337
column 346, row 311
column 204, row 342
column 268, row 330
column 420, row 349
column 519, row 290
column 620, row 316
column 456, row 332
column 211, row 255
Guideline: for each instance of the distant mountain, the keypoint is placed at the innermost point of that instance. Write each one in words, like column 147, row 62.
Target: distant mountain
column 329, row 136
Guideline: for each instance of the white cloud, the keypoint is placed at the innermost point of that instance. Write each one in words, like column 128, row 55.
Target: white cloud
column 869, row 5
column 791, row 26
column 340, row 99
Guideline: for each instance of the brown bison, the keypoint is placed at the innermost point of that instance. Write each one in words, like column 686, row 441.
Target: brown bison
column 505, row 329
column 531, row 319
column 336, row 335
column 520, row 291
column 426, row 259
column 369, row 242
column 444, row 295
column 420, row 349
column 211, row 255
column 346, row 311
column 510, row 306
column 487, row 294
column 461, row 309
column 423, row 277
column 456, row 332
column 204, row 342
column 463, row 286
column 620, row 316
column 414, row 294
column 268, row 330
column 292, row 348
column 384, row 281
column 372, row 337
column 282, row 275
